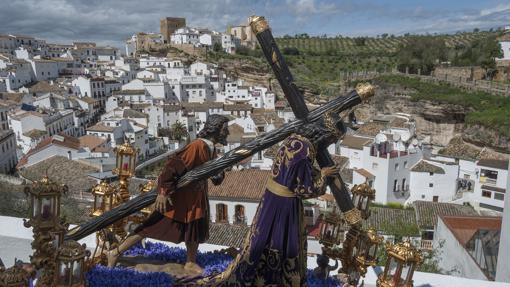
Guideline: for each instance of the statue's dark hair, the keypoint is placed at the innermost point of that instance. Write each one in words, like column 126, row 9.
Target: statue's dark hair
column 212, row 126
column 318, row 134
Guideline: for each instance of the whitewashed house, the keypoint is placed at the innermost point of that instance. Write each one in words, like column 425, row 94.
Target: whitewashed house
column 235, row 93
column 210, row 39
column 468, row 246
column 107, row 54
column 161, row 116
column 44, row 69
column 491, row 183
column 185, row 35
column 8, row 158
column 432, row 181
column 381, row 165
column 18, row 74
column 197, row 88
column 153, row 61
column 93, row 87
column 229, row 43
column 235, row 201
column 29, row 126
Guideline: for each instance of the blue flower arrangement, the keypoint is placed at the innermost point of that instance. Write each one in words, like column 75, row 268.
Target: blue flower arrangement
column 101, row 276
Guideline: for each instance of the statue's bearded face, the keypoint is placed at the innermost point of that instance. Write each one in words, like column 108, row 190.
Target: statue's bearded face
column 221, row 137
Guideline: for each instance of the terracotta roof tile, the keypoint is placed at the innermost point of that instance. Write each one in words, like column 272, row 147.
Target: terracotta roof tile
column 355, row 142
column 423, row 166
column 101, row 128
column 380, row 217
column 91, row 142
column 464, row 227
column 427, row 212
column 227, row 234
column 248, row 184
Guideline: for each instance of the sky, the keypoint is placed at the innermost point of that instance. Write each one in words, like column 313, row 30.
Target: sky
column 111, row 22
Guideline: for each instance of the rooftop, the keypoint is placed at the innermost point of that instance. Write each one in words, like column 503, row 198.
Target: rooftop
column 227, row 234
column 355, row 142
column 427, row 212
column 248, row 184
column 424, row 166
column 99, row 127
column 62, row 170
column 464, row 227
column 494, row 163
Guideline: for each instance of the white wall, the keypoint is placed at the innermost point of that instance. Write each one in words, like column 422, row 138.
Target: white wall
column 454, row 256
column 505, row 46
column 443, row 185
column 503, row 268
column 250, row 208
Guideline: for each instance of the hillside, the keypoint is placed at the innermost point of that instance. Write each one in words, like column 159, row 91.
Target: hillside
column 319, row 63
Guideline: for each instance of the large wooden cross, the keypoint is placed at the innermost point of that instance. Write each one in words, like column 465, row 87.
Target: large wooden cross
column 296, row 101
column 236, row 155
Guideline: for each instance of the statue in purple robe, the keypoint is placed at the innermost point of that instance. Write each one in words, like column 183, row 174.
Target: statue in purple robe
column 274, row 252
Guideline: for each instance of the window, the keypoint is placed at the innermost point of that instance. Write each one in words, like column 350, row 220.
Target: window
column 405, row 164
column 403, row 184
column 435, row 198
column 240, row 217
column 396, row 166
column 423, row 196
column 308, row 212
column 431, row 184
column 431, row 173
column 395, row 184
column 499, row 196
column 486, row 193
column 221, row 212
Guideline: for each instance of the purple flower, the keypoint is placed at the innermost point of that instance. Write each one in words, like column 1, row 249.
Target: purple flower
column 212, row 262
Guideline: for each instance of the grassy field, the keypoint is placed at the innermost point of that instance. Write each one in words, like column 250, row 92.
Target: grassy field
column 318, row 63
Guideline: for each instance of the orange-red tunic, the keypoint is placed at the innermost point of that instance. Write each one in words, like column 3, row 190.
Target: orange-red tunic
column 188, row 216
column 189, row 203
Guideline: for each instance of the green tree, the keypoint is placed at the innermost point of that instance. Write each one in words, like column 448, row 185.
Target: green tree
column 360, row 41
column 178, row 131
column 421, row 53
column 217, row 47
column 481, row 52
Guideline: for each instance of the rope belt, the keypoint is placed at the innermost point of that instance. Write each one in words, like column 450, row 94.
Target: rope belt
column 279, row 189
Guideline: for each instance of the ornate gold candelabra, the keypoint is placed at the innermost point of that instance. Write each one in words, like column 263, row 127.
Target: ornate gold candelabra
column 44, row 197
column 71, row 264
column 15, row 276
column 403, row 259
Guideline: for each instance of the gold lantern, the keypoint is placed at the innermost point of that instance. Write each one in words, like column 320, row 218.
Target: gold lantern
column 331, row 229
column 125, row 167
column 58, row 233
column 403, row 259
column 70, row 264
column 362, row 195
column 126, row 160
column 104, row 198
column 44, row 197
column 366, row 250
column 15, row 276
column 331, row 234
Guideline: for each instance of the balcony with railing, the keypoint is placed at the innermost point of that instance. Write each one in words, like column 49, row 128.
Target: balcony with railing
column 426, row 245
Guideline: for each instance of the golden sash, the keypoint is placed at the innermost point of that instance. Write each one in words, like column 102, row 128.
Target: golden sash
column 279, row 189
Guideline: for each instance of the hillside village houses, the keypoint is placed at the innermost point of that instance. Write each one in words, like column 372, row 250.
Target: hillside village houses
column 77, row 102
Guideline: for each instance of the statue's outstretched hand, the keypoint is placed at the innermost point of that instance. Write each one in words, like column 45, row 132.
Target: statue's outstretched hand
column 330, row 171
column 161, row 203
